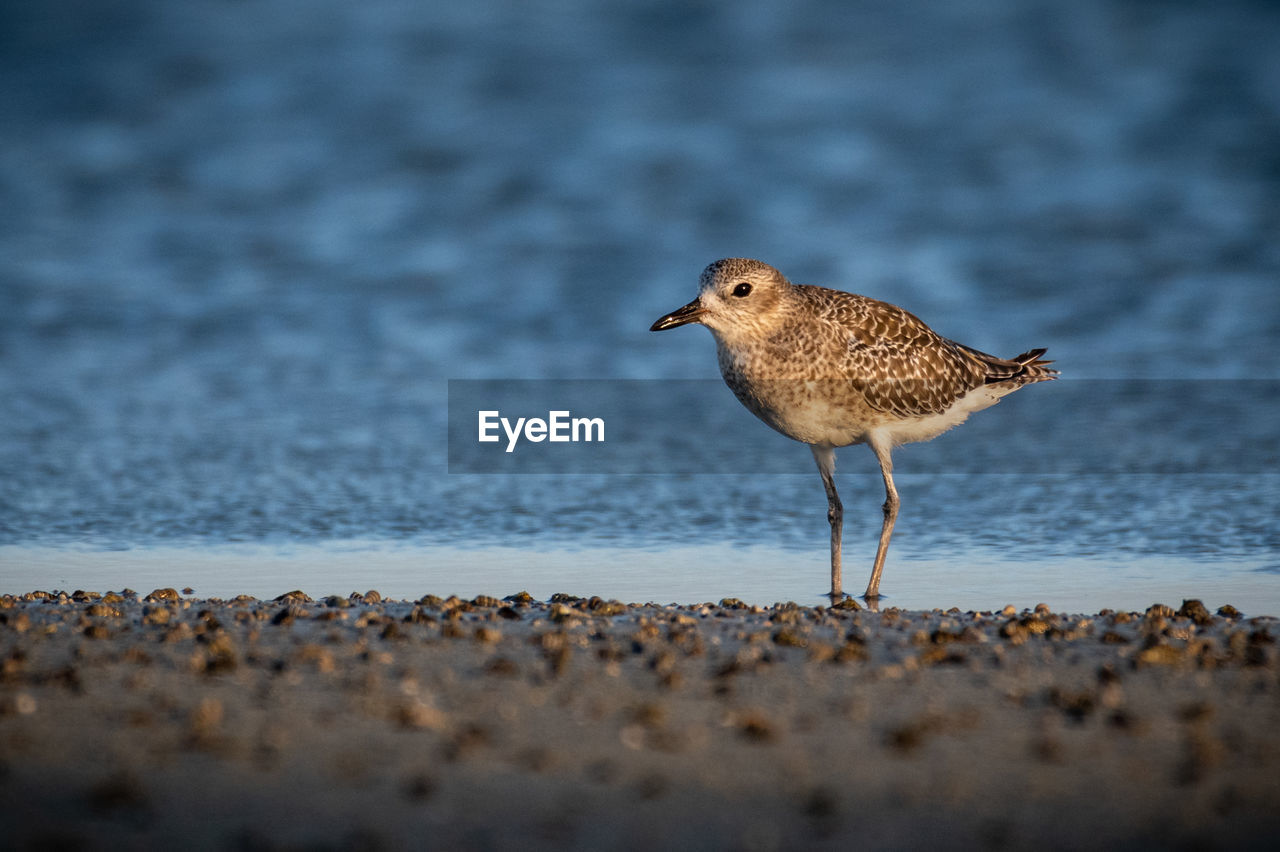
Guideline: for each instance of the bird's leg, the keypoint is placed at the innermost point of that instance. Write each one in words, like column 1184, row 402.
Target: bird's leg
column 825, row 456
column 890, row 515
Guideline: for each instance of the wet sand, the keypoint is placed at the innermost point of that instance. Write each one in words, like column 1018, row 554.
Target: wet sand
column 128, row 721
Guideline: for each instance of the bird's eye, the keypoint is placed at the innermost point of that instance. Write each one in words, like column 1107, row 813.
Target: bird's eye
column 742, row 289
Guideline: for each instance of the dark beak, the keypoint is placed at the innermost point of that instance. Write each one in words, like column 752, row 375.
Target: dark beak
column 689, row 313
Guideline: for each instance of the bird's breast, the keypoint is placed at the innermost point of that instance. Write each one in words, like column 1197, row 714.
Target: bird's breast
column 806, row 408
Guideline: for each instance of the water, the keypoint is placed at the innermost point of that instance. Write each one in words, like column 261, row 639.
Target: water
column 244, row 250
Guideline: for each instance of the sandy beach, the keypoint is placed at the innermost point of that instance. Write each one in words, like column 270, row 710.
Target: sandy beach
column 133, row 720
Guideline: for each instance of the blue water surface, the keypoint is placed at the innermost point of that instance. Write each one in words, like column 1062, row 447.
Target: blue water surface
column 245, row 247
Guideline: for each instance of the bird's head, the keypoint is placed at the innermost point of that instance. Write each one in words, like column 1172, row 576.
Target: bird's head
column 736, row 296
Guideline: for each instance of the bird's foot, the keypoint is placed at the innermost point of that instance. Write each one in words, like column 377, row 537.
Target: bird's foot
column 839, row 600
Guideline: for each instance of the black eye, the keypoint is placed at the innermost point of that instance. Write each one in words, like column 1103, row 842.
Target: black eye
column 742, row 289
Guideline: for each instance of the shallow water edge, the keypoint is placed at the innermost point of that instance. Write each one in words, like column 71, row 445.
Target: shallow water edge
column 757, row 575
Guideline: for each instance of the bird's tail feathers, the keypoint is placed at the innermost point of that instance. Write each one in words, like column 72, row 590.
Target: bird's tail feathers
column 1021, row 369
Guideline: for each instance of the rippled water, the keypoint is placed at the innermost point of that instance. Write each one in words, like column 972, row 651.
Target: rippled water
column 244, row 249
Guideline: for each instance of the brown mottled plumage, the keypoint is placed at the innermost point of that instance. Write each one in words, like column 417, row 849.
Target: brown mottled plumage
column 832, row 369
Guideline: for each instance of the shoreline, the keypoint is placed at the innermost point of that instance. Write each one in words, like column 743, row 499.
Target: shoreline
column 757, row 574
column 129, row 720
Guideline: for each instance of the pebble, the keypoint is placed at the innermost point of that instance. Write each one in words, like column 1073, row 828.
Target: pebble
column 1196, row 611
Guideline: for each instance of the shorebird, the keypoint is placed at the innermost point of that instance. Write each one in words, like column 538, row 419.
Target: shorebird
column 832, row 369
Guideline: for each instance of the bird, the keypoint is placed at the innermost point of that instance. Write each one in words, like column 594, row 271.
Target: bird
column 833, row 369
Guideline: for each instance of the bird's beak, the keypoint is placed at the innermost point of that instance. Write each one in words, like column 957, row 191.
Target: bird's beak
column 691, row 312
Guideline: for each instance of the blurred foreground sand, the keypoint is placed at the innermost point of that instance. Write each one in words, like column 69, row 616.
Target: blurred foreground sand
column 581, row 723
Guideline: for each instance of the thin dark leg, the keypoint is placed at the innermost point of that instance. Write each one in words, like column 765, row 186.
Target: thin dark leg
column 890, row 515
column 826, row 459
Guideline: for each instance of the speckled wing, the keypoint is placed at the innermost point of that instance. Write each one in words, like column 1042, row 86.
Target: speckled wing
column 900, row 365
